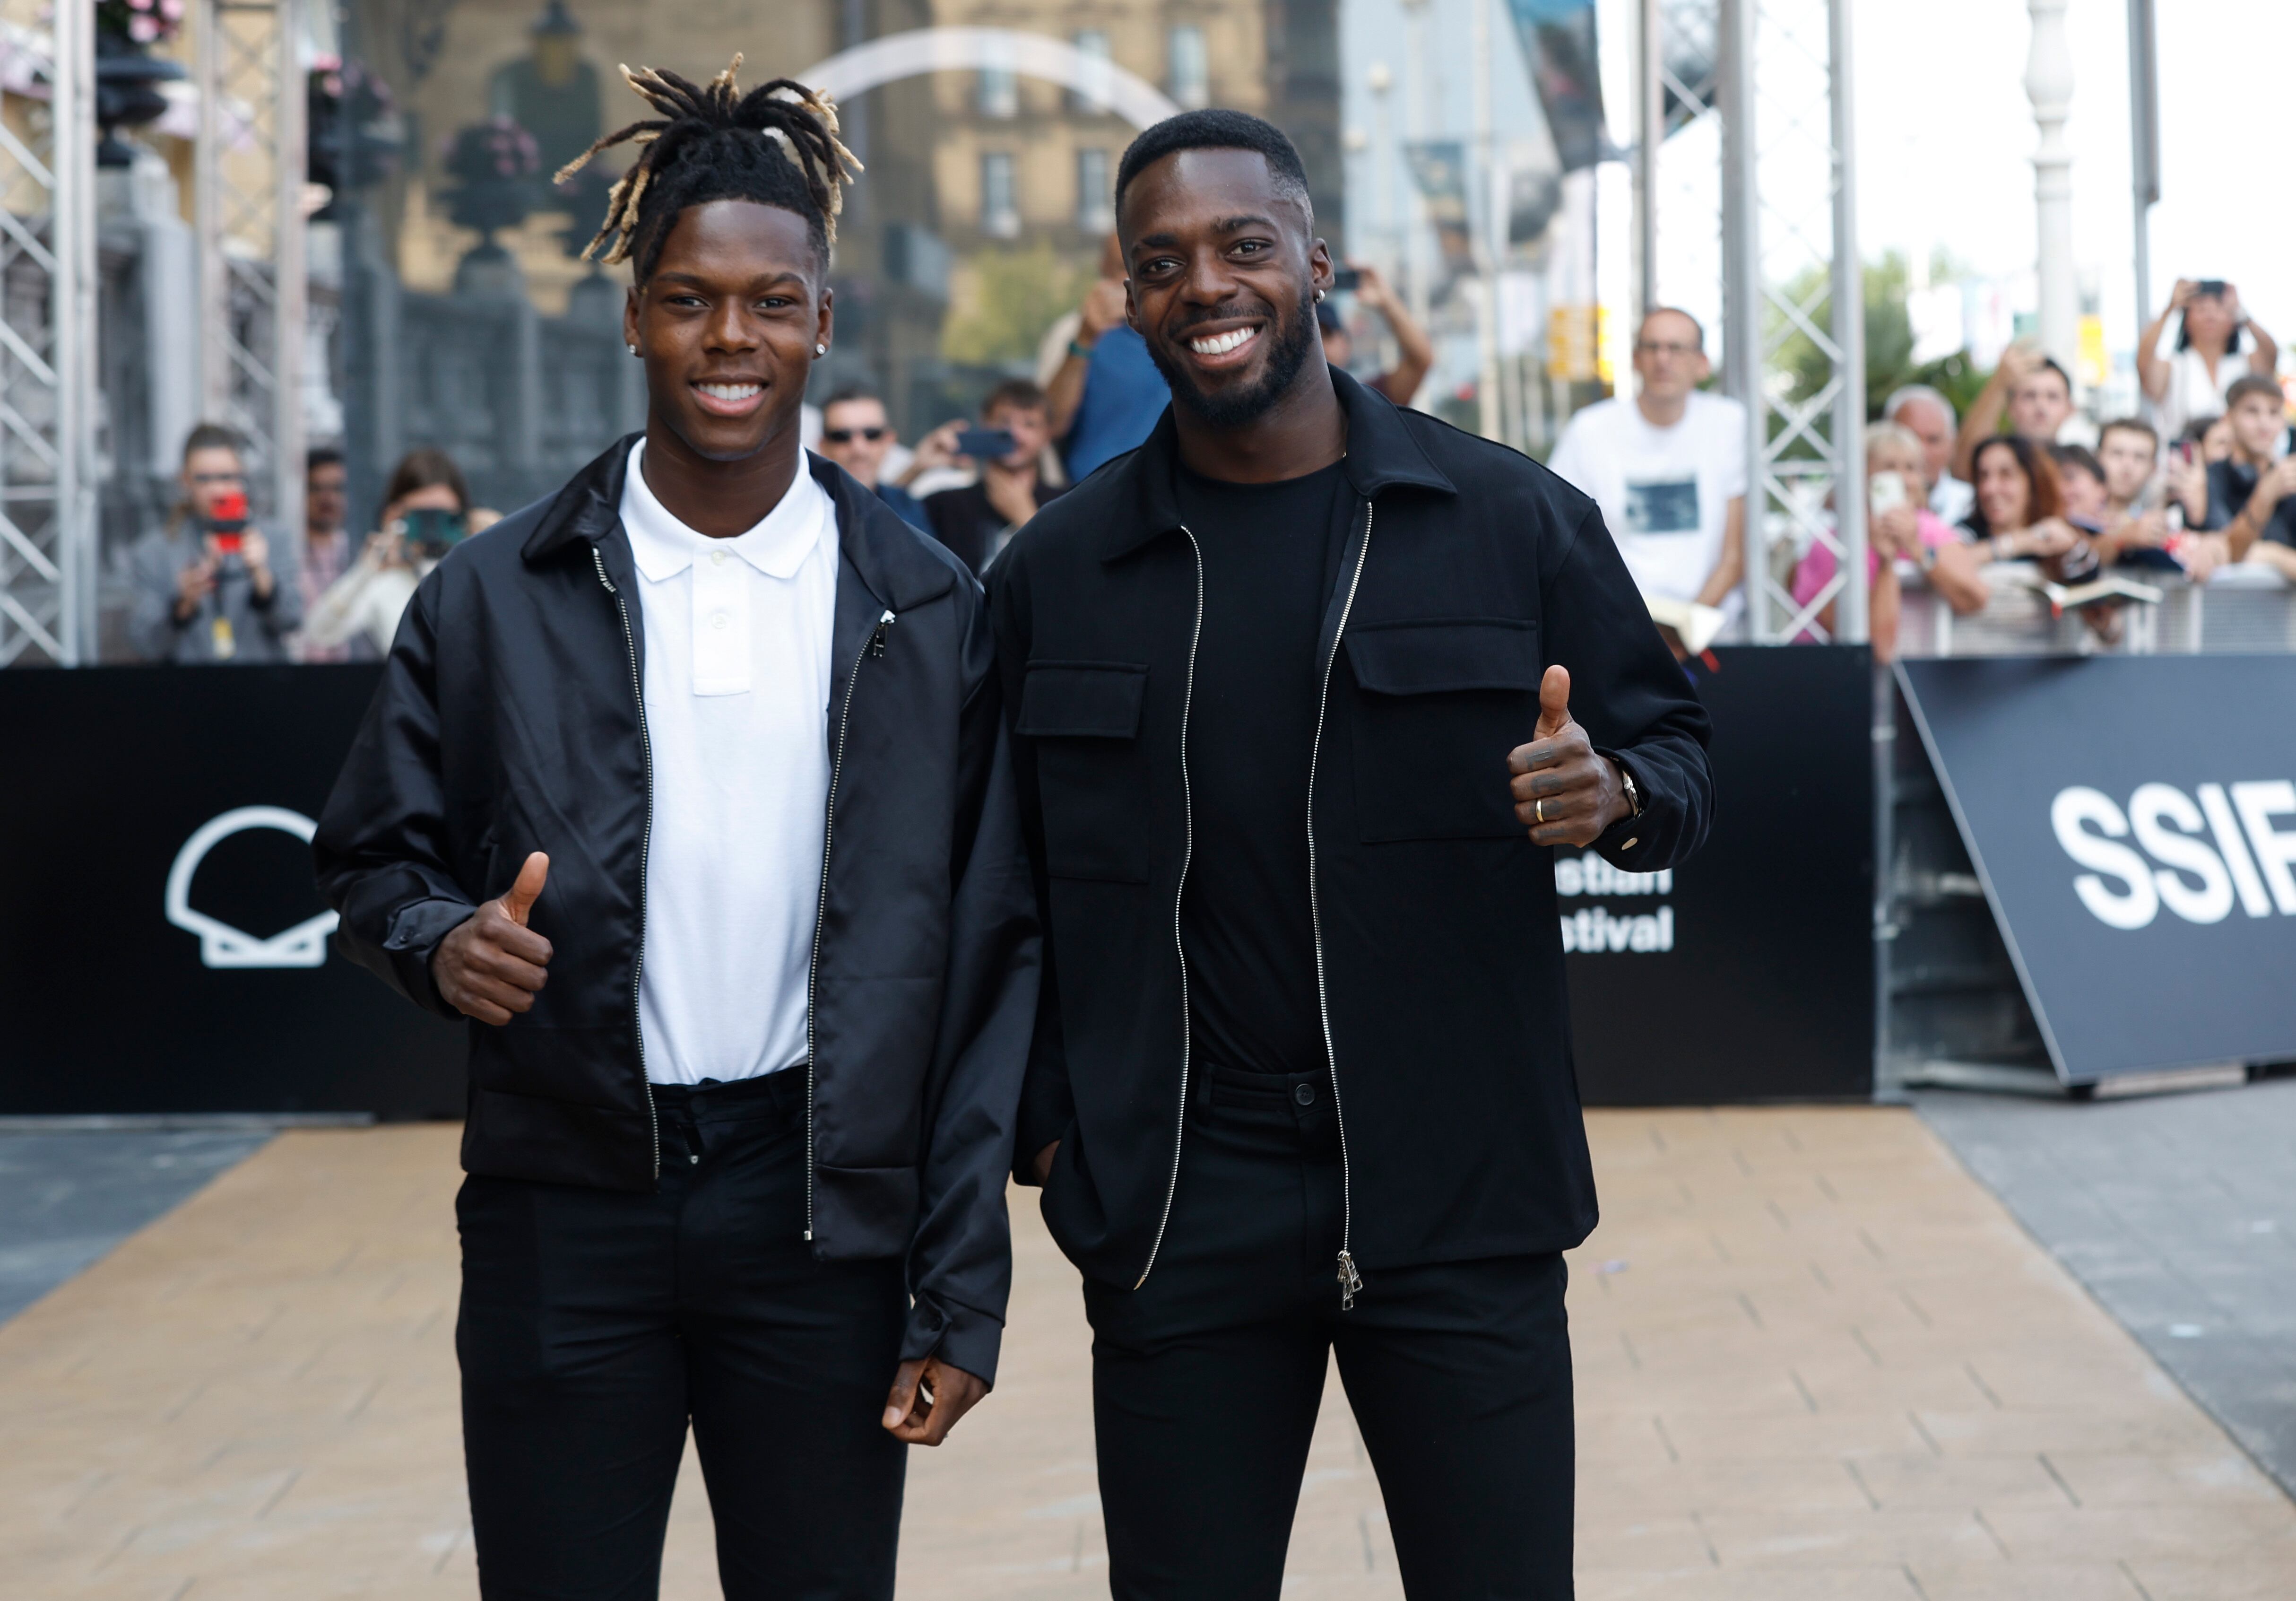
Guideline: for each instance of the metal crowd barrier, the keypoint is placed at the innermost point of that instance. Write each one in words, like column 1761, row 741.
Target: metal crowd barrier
column 2243, row 609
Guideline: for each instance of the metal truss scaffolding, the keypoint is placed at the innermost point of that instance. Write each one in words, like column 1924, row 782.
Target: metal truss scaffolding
column 1794, row 305
column 47, row 347
column 249, row 187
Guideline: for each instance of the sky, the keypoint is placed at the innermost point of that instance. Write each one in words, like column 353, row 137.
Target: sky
column 1945, row 137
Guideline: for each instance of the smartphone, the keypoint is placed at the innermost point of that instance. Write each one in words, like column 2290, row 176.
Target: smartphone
column 435, row 531
column 1346, row 280
column 986, row 444
column 2213, row 287
column 1885, row 492
column 228, row 521
column 227, row 544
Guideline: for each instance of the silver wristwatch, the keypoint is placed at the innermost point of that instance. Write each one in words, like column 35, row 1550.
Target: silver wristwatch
column 1633, row 795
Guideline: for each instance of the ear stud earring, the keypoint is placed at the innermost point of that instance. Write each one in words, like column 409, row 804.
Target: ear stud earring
column 634, row 350
column 821, row 350
column 1319, row 294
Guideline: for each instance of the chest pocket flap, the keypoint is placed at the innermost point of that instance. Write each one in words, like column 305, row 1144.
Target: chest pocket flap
column 1082, row 700
column 1445, row 657
column 1438, row 704
column 1083, row 718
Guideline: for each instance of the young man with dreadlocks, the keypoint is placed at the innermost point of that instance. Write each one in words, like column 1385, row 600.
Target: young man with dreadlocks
column 1307, row 690
column 688, row 787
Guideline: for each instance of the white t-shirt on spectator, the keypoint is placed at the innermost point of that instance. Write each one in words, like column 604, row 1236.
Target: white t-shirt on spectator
column 2193, row 392
column 1665, row 492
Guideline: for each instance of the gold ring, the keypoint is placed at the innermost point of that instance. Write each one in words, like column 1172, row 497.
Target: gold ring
column 1538, row 810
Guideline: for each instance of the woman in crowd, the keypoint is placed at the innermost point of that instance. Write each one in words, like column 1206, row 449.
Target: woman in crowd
column 426, row 511
column 2020, row 511
column 2208, row 361
column 1899, row 527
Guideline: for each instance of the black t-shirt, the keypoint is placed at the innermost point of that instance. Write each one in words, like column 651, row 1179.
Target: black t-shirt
column 2230, row 484
column 1269, row 551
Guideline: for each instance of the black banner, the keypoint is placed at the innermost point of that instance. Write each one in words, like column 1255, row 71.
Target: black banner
column 1746, row 974
column 163, row 949
column 2132, row 821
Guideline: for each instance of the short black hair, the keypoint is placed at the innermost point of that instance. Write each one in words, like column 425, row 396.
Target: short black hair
column 321, row 456
column 2079, row 457
column 1022, row 392
column 848, row 394
column 211, row 436
column 2254, row 383
column 1215, row 128
column 776, row 145
column 2050, row 364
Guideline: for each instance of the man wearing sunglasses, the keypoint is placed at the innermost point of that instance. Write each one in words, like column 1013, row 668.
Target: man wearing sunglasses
column 210, row 585
column 857, row 435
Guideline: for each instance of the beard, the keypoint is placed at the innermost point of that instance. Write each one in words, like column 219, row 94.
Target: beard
column 1293, row 336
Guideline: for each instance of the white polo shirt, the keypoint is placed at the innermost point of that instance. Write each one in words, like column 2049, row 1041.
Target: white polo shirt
column 736, row 690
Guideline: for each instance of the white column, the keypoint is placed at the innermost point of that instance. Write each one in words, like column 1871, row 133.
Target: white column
column 2049, row 85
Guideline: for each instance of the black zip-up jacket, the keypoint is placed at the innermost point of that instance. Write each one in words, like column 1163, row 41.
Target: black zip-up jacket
column 510, row 720
column 1468, row 569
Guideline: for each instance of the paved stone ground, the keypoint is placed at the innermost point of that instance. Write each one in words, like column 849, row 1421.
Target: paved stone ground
column 2178, row 1214
column 68, row 1197
column 1814, row 1360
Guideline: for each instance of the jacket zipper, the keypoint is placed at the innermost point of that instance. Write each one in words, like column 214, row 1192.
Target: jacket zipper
column 874, row 647
column 1187, row 852
column 645, row 850
column 1350, row 1281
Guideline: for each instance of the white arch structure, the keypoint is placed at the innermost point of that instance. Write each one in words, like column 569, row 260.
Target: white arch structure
column 898, row 56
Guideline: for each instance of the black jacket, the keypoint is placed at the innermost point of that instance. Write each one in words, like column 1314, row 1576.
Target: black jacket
column 509, row 720
column 1469, row 570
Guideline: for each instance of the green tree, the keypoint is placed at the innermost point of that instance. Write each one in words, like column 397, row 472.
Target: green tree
column 1017, row 295
column 1889, row 362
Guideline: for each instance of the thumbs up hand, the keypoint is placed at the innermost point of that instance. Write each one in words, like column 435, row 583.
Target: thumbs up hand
column 492, row 963
column 1563, row 792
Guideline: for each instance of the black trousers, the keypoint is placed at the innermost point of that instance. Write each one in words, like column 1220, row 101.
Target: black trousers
column 1206, row 1380
column 595, row 1325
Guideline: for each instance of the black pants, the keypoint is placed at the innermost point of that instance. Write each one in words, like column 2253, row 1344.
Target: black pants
column 595, row 1323
column 1206, row 1380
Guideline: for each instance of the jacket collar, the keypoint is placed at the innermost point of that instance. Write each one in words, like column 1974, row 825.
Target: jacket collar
column 1381, row 455
column 884, row 551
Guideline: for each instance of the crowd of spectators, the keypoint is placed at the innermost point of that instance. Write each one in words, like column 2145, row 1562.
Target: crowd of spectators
column 213, row 585
column 2204, row 482
column 2021, row 490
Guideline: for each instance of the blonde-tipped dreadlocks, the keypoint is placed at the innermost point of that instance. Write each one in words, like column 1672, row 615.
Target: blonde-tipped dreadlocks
column 777, row 145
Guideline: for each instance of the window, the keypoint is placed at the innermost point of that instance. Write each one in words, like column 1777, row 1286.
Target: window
column 1091, row 95
column 1188, row 68
column 1000, row 215
column 1095, row 211
column 1000, row 88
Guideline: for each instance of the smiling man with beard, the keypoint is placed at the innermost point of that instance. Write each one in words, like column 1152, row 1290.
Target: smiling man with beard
column 1303, row 691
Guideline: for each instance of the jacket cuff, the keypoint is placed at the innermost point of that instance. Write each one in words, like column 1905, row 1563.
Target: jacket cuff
column 415, row 934
column 1631, row 840
column 958, row 1334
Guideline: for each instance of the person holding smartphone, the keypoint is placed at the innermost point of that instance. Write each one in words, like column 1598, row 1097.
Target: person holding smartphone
column 212, row 586
column 1008, row 447
column 2196, row 379
column 1415, row 351
column 426, row 513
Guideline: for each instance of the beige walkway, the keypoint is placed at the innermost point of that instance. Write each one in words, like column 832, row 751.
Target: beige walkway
column 1814, row 1361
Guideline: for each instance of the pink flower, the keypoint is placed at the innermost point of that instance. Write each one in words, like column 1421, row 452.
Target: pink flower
column 173, row 10
column 142, row 30
column 141, row 4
